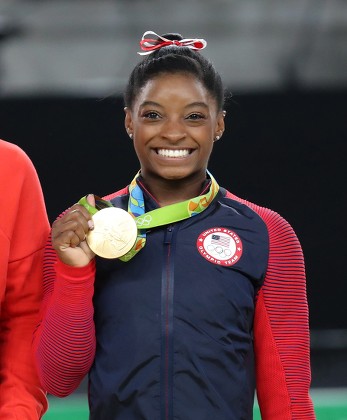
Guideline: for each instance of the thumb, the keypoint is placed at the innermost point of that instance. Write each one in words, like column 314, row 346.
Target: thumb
column 91, row 199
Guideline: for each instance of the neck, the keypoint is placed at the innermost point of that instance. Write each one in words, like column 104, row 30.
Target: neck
column 168, row 192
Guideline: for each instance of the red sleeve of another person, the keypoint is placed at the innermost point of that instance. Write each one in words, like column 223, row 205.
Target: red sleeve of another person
column 24, row 229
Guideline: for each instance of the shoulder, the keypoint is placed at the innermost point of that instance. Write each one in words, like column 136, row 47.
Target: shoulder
column 119, row 198
column 13, row 158
column 278, row 227
column 269, row 216
column 12, row 151
column 19, row 181
column 118, row 194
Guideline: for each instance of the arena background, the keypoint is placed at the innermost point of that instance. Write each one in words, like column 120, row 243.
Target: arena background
column 63, row 66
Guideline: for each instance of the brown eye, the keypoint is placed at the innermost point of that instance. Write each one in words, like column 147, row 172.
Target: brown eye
column 195, row 117
column 152, row 115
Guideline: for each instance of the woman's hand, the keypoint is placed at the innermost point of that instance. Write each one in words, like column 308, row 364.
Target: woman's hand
column 69, row 235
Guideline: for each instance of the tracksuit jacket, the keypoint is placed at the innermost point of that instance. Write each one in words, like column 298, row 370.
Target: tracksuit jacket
column 211, row 308
column 24, row 229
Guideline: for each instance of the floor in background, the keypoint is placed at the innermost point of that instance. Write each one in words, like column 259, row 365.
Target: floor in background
column 329, row 404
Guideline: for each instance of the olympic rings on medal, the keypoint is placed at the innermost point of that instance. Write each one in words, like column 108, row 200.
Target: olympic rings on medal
column 143, row 221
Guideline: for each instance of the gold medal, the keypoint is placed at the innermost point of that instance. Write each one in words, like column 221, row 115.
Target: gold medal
column 114, row 233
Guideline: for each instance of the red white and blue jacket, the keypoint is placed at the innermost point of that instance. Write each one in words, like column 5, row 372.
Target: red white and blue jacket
column 212, row 308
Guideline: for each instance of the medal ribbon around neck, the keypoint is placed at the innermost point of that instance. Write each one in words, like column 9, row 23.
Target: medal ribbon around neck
column 158, row 217
column 163, row 215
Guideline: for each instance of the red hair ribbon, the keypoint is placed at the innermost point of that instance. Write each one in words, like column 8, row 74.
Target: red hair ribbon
column 148, row 45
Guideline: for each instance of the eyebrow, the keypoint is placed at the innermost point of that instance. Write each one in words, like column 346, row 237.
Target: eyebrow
column 192, row 105
column 150, row 103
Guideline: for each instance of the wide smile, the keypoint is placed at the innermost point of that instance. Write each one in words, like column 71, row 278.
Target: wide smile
column 174, row 153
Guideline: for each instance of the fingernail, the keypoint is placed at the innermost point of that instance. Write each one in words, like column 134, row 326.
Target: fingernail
column 91, row 224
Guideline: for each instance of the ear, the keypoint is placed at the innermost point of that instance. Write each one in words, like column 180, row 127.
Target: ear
column 220, row 125
column 128, row 121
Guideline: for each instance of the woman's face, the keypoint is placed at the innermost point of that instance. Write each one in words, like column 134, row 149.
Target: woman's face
column 174, row 122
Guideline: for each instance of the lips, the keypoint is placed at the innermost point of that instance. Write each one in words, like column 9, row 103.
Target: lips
column 173, row 153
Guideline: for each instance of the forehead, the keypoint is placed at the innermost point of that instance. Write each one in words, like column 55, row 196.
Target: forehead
column 167, row 86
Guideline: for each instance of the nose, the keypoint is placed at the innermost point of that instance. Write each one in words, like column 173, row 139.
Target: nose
column 173, row 130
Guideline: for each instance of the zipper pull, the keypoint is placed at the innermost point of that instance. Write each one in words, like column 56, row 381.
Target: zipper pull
column 168, row 234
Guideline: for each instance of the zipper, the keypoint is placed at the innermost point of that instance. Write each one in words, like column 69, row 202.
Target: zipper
column 167, row 288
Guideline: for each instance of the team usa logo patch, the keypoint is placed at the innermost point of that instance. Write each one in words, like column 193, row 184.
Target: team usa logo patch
column 220, row 246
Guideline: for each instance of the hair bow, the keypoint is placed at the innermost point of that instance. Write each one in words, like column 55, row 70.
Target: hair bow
column 148, row 45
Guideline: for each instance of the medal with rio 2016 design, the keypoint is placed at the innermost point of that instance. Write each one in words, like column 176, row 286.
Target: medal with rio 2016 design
column 114, row 232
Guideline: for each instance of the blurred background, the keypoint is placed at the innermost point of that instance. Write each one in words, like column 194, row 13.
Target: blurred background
column 63, row 68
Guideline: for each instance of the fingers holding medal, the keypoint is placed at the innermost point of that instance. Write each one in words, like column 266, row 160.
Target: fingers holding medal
column 93, row 227
column 69, row 236
column 115, row 230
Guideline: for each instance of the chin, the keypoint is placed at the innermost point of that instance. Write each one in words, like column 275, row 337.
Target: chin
column 174, row 173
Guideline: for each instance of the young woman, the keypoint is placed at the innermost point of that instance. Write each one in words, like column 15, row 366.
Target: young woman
column 206, row 303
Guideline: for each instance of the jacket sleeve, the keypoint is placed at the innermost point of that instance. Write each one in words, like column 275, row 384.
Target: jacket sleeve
column 64, row 342
column 23, row 232
column 281, row 328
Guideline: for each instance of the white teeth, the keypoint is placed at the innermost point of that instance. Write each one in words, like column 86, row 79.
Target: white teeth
column 173, row 153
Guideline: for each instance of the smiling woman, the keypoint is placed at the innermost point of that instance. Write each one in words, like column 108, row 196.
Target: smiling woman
column 174, row 121
column 198, row 315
